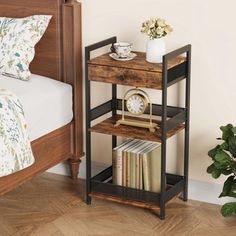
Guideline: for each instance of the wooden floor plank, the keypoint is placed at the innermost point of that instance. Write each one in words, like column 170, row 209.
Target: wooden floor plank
column 52, row 205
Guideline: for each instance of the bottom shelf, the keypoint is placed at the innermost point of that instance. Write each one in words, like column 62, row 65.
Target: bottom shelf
column 124, row 201
column 102, row 188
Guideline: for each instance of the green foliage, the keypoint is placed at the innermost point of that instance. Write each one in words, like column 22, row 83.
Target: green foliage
column 224, row 163
column 228, row 209
column 229, row 189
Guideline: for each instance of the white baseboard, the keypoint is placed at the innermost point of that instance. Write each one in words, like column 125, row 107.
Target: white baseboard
column 198, row 190
column 63, row 169
column 207, row 192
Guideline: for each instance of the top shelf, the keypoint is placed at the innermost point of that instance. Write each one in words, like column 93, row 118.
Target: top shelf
column 137, row 72
column 138, row 63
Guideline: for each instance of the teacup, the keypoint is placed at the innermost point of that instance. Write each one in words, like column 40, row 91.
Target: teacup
column 122, row 49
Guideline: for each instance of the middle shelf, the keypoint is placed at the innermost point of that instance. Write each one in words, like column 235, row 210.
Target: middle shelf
column 107, row 127
column 176, row 117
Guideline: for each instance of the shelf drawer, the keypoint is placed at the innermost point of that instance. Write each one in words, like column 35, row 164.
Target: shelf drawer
column 122, row 76
column 137, row 72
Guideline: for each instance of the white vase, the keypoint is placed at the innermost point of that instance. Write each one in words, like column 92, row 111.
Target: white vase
column 156, row 48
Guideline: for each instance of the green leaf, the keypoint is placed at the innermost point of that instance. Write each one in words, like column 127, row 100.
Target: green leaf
column 227, row 131
column 225, row 146
column 221, row 165
column 214, row 151
column 234, row 130
column 210, row 168
column 229, row 187
column 216, row 173
column 233, row 166
column 226, row 171
column 233, row 189
column 232, row 145
column 222, row 156
column 228, row 209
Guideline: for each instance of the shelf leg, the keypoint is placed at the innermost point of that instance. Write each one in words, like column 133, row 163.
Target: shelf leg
column 88, row 200
column 114, row 111
column 186, row 137
column 163, row 138
column 88, row 125
column 88, row 50
column 186, row 163
column 88, row 168
column 162, row 211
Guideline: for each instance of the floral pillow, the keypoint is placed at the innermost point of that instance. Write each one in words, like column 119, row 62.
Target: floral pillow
column 18, row 37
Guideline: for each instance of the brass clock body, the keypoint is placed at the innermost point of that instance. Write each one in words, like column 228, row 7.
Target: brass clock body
column 136, row 102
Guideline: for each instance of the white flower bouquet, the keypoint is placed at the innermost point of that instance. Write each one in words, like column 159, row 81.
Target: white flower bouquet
column 156, row 28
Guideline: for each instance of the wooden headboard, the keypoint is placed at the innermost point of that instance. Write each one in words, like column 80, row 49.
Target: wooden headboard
column 58, row 56
column 59, row 53
column 54, row 53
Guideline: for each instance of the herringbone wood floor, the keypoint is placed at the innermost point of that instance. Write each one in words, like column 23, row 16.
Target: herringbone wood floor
column 49, row 205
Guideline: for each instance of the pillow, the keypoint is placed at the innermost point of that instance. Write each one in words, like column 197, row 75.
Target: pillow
column 18, row 37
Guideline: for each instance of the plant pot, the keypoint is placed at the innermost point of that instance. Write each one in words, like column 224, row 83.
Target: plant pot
column 156, row 48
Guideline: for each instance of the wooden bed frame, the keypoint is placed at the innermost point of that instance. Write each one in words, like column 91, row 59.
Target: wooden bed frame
column 58, row 56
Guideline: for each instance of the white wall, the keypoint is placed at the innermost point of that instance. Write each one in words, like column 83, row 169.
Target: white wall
column 209, row 27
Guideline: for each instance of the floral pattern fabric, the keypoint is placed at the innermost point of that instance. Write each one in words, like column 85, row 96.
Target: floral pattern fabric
column 15, row 148
column 18, row 37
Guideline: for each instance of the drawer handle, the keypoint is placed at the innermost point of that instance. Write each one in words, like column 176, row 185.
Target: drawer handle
column 121, row 78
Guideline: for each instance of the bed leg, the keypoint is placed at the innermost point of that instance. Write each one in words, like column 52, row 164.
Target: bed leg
column 74, row 167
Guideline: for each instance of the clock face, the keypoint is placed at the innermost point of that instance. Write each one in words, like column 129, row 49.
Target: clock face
column 136, row 104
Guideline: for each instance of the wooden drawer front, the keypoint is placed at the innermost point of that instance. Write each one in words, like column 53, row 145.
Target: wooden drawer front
column 116, row 75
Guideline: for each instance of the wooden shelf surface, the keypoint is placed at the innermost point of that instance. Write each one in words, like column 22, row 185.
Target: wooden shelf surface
column 107, row 127
column 138, row 63
column 130, row 202
column 124, row 201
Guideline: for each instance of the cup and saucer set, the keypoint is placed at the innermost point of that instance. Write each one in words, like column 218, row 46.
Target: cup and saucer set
column 122, row 52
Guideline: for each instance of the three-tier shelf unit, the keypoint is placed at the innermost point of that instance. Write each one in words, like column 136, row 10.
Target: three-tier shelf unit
column 176, row 67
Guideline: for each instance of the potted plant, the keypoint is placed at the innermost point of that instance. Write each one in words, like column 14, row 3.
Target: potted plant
column 224, row 163
column 156, row 29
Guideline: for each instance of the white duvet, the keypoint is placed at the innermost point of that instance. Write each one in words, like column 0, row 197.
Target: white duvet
column 15, row 148
column 47, row 103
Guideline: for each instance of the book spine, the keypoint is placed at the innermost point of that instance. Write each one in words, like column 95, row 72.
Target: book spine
column 119, row 167
column 137, row 182
column 128, row 169
column 146, row 173
column 124, row 171
column 140, row 172
column 155, row 170
column 114, row 171
column 132, row 170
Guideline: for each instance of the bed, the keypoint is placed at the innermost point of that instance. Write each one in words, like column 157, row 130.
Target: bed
column 57, row 71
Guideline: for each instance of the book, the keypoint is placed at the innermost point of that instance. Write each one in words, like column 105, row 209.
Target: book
column 134, row 164
column 117, row 162
column 151, row 158
column 139, row 166
column 127, row 163
column 137, row 171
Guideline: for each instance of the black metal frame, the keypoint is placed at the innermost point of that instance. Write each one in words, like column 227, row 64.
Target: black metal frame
column 171, row 185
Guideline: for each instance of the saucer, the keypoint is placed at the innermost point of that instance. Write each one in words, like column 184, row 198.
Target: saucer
column 116, row 57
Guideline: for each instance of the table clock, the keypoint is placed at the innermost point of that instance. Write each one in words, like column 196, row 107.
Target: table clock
column 136, row 102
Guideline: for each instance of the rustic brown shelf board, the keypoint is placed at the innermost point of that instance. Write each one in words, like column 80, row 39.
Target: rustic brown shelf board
column 130, row 202
column 138, row 63
column 107, row 127
column 124, row 201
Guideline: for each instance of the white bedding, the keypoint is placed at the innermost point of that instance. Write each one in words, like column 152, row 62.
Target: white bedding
column 47, row 103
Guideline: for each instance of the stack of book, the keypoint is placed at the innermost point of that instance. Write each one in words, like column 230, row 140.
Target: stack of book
column 137, row 164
